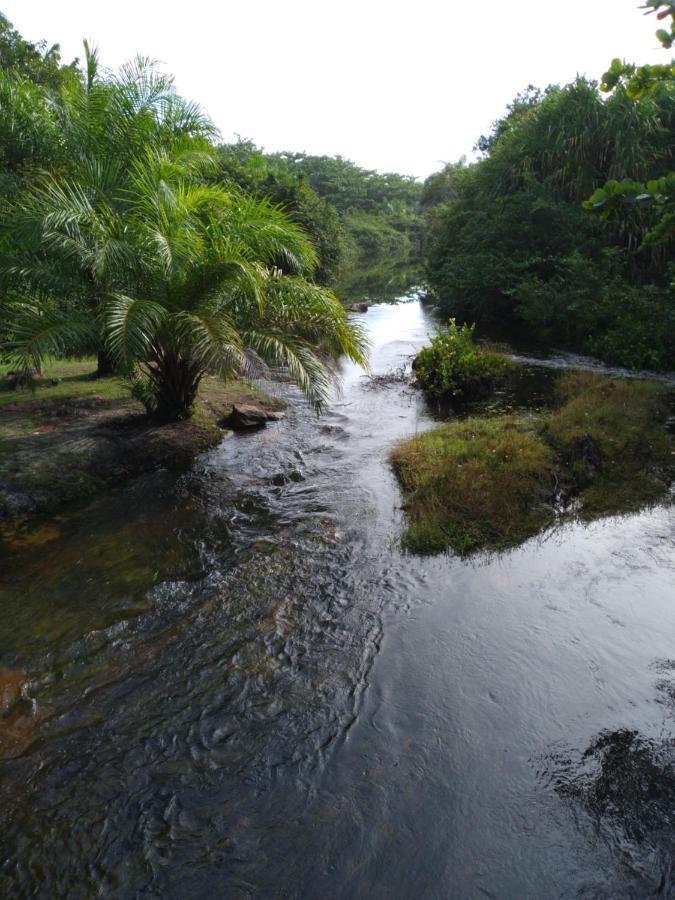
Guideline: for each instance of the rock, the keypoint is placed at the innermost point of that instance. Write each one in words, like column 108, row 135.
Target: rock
column 282, row 478
column 14, row 502
column 357, row 307
column 245, row 416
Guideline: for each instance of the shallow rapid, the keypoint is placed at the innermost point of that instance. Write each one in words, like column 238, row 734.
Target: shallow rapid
column 235, row 684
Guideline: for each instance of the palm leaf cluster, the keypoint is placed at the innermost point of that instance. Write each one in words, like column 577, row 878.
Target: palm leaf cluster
column 132, row 249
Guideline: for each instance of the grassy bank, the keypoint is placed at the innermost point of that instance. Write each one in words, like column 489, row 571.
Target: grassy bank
column 490, row 483
column 75, row 435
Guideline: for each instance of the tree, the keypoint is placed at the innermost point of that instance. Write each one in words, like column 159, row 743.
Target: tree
column 508, row 242
column 612, row 199
column 195, row 289
column 65, row 236
column 37, row 62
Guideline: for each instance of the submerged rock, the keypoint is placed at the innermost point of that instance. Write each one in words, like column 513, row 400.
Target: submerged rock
column 14, row 502
column 282, row 478
column 245, row 416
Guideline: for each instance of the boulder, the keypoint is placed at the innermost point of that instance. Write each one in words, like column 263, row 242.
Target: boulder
column 246, row 416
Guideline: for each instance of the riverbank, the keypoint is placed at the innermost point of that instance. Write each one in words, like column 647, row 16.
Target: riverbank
column 75, row 436
column 490, row 482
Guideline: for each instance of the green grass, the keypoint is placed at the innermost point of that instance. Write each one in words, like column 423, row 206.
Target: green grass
column 625, row 420
column 475, row 484
column 491, row 483
column 73, row 379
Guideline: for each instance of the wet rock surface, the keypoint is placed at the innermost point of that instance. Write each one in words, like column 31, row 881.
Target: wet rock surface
column 247, row 416
column 14, row 502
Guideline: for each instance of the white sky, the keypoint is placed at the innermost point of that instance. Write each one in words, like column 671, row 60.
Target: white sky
column 394, row 86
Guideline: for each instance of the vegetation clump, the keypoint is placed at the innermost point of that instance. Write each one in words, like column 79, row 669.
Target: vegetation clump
column 610, row 438
column 514, row 240
column 491, row 483
column 453, row 366
column 475, row 484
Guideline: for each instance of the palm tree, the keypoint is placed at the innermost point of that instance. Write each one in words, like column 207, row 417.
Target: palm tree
column 198, row 278
column 67, row 238
column 220, row 289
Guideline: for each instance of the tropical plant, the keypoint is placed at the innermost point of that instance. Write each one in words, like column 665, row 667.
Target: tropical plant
column 508, row 243
column 66, row 236
column 454, row 366
column 614, row 199
column 195, row 282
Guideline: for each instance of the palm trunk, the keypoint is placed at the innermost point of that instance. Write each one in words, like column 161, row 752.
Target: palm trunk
column 177, row 381
column 106, row 365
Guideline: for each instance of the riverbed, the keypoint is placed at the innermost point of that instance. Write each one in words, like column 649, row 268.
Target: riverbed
column 233, row 683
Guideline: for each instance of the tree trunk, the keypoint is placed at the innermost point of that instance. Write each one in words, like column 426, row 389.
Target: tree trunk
column 106, row 365
column 176, row 381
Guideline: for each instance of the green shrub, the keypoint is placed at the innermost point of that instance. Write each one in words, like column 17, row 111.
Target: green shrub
column 454, row 366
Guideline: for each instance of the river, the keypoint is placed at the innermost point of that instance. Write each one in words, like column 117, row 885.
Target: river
column 235, row 684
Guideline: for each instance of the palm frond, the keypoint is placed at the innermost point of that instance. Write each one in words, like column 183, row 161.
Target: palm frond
column 281, row 351
column 36, row 331
column 212, row 339
column 130, row 327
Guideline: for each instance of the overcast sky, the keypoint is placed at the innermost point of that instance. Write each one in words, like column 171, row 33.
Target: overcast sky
column 393, row 86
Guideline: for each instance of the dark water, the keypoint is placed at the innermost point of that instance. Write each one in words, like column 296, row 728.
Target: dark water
column 235, row 685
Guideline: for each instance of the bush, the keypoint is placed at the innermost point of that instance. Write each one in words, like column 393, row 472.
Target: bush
column 454, row 366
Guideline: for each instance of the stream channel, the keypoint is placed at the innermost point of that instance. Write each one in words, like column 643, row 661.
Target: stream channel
column 235, row 683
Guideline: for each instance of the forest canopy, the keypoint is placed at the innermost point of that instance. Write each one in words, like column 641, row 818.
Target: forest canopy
column 564, row 228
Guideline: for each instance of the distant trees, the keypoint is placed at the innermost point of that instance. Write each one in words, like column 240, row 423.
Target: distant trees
column 358, row 218
column 508, row 241
column 266, row 176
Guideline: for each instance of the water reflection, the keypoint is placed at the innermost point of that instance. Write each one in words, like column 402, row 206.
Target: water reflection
column 624, row 782
column 385, row 283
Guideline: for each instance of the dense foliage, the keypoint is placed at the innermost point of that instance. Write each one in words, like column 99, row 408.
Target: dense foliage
column 120, row 236
column 509, row 242
column 357, row 218
column 453, row 366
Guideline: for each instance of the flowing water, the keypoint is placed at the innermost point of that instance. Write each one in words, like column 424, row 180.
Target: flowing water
column 234, row 684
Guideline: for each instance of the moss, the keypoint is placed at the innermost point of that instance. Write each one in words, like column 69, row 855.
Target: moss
column 626, row 422
column 62, row 443
column 480, row 483
column 490, row 483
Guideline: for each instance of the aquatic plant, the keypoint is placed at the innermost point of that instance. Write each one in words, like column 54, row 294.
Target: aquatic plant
column 454, row 366
column 491, row 483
